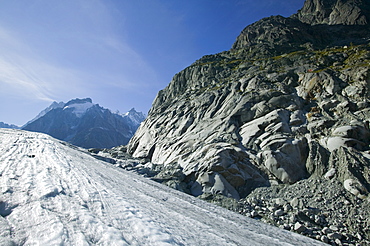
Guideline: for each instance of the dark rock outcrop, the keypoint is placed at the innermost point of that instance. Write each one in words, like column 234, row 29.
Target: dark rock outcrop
column 319, row 24
column 334, row 12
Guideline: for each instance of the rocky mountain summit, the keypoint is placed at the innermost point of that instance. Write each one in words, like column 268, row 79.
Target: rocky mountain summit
column 84, row 124
column 284, row 114
column 333, row 12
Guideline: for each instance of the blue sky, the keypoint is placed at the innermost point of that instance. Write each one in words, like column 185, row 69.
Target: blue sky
column 118, row 52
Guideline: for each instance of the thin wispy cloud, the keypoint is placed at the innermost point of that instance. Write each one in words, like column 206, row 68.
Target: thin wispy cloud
column 119, row 53
column 23, row 73
column 81, row 50
column 33, row 79
column 19, row 81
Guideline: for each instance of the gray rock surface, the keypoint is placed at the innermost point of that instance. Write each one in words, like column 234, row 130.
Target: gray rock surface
column 286, row 107
column 332, row 12
column 275, row 120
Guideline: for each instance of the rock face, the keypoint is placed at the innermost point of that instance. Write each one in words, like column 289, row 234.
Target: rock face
column 289, row 101
column 85, row 124
column 333, row 12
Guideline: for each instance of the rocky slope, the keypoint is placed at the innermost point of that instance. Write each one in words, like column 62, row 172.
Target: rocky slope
column 85, row 124
column 288, row 104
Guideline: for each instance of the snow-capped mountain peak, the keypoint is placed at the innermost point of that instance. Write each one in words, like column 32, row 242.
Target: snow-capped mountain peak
column 135, row 117
column 79, row 106
column 78, row 101
column 85, row 124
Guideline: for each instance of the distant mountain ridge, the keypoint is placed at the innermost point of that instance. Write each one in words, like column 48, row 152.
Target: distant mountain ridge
column 11, row 126
column 85, row 124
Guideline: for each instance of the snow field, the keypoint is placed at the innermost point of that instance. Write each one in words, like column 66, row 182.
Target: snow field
column 55, row 194
column 79, row 109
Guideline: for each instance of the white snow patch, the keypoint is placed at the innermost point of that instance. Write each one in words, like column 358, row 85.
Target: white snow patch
column 79, row 109
column 52, row 194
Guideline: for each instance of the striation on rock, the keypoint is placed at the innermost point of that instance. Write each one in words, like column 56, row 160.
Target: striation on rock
column 288, row 103
column 242, row 118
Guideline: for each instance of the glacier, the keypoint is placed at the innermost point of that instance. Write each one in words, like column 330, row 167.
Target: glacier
column 53, row 193
column 79, row 109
